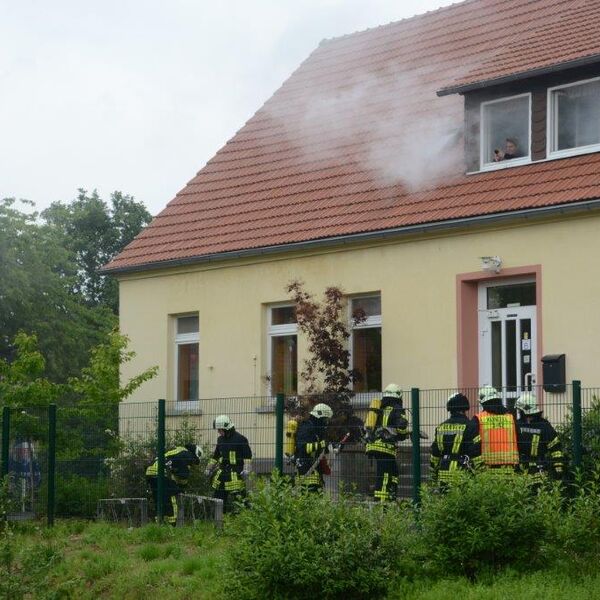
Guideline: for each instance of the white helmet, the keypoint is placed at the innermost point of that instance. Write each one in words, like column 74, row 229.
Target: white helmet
column 195, row 449
column 322, row 411
column 393, row 390
column 527, row 403
column 487, row 393
column 223, row 422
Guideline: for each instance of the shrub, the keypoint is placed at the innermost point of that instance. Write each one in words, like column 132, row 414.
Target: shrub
column 590, row 438
column 78, row 496
column 485, row 523
column 292, row 544
column 577, row 530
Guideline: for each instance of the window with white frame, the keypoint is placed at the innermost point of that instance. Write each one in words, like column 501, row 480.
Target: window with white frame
column 505, row 131
column 283, row 349
column 574, row 118
column 187, row 338
column 366, row 343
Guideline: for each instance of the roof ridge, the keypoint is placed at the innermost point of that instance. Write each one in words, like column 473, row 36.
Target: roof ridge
column 428, row 13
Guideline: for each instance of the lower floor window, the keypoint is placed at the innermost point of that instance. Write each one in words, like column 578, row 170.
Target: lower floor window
column 366, row 358
column 187, row 372
column 284, row 364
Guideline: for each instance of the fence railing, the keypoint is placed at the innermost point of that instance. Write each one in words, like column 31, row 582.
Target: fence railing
column 62, row 459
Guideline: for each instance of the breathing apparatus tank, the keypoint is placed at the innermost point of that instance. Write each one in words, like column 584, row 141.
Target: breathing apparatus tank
column 289, row 446
column 374, row 410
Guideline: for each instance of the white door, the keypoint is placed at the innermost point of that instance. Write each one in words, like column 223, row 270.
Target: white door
column 508, row 336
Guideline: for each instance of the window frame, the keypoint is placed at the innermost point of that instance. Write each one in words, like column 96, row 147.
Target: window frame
column 180, row 339
column 277, row 331
column 552, row 125
column 515, row 162
column 371, row 322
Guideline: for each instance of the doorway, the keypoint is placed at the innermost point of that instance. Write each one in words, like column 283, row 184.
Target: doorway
column 508, row 335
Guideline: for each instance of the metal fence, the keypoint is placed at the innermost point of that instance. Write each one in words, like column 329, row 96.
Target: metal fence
column 62, row 460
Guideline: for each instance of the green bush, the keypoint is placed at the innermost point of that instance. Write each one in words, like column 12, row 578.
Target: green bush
column 291, row 544
column 487, row 522
column 590, row 438
column 577, row 528
column 78, row 496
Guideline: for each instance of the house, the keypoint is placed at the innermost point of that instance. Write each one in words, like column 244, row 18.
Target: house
column 444, row 170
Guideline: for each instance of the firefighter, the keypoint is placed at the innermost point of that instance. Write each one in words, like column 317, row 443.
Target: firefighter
column 178, row 463
column 311, row 447
column 457, row 444
column 230, row 464
column 498, row 432
column 540, row 450
column 385, row 426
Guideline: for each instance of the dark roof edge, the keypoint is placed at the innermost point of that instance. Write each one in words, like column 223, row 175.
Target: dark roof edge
column 485, row 83
column 573, row 207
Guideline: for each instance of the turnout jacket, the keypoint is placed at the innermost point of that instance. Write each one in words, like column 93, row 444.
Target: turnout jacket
column 457, row 445
column 310, row 442
column 177, row 465
column 231, row 451
column 540, row 449
column 391, row 427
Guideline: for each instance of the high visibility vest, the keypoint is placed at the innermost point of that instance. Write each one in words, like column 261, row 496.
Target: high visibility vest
column 498, row 439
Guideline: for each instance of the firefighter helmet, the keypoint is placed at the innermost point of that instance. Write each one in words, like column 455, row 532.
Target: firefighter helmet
column 393, row 391
column 527, row 403
column 322, row 411
column 458, row 403
column 488, row 393
column 195, row 449
column 223, row 422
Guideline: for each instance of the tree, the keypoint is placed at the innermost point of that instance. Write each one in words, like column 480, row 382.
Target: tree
column 93, row 233
column 37, row 296
column 327, row 370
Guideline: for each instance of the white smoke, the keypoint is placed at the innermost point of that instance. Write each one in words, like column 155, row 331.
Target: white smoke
column 379, row 122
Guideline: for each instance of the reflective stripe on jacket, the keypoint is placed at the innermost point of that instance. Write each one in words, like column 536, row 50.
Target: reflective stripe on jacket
column 498, row 438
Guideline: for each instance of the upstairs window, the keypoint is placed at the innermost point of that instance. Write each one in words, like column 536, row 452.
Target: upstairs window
column 366, row 344
column 187, row 337
column 505, row 132
column 574, row 118
column 283, row 350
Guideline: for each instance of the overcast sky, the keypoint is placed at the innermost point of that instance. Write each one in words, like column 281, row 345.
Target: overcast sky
column 136, row 95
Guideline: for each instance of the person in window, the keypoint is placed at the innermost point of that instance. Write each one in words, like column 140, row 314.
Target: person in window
column 230, row 464
column 511, row 150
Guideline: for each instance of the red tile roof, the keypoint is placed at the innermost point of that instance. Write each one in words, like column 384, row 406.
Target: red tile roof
column 357, row 141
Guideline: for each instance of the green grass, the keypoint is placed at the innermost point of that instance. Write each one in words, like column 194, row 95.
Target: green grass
column 97, row 561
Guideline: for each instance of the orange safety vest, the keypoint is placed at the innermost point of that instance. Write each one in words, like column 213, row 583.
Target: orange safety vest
column 498, row 439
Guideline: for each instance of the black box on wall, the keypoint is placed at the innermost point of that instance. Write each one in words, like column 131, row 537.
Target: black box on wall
column 554, row 373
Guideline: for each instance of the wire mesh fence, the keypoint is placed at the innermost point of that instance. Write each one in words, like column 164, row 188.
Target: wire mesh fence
column 102, row 452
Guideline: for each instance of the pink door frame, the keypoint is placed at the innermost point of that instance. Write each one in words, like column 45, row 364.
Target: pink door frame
column 468, row 320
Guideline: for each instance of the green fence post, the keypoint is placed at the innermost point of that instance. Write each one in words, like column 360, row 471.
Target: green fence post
column 279, row 405
column 5, row 439
column 416, row 445
column 160, row 457
column 51, row 463
column 577, row 449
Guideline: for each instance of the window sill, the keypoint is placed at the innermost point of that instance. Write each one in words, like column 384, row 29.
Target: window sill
column 505, row 164
column 192, row 407
column 574, row 151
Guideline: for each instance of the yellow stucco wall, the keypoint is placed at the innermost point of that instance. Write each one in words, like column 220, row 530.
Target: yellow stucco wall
column 417, row 281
